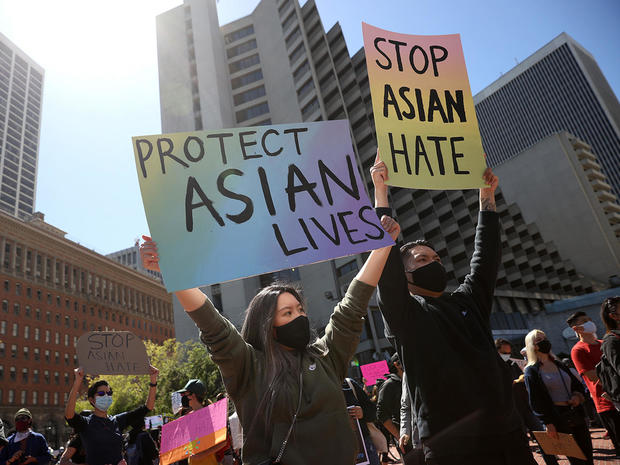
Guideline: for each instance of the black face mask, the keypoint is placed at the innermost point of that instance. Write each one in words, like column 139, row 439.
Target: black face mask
column 185, row 401
column 431, row 277
column 544, row 346
column 295, row 334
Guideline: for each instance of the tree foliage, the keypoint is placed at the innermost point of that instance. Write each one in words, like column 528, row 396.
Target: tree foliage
column 177, row 363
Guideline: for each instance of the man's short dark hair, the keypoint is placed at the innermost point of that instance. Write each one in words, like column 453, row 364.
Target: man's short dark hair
column 609, row 306
column 406, row 249
column 499, row 342
column 572, row 320
column 93, row 389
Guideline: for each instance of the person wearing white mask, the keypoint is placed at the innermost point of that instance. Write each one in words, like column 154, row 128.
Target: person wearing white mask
column 586, row 353
column 102, row 434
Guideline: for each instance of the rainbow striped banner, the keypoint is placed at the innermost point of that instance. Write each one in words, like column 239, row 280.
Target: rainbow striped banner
column 199, row 432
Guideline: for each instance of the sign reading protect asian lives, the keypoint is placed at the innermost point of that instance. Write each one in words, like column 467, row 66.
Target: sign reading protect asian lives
column 234, row 203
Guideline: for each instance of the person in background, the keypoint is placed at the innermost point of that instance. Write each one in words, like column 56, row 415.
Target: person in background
column 74, row 452
column 555, row 395
column 530, row 421
column 25, row 446
column 360, row 408
column 388, row 401
column 193, row 395
column 585, row 354
column 141, row 449
column 3, row 441
column 610, row 314
column 101, row 434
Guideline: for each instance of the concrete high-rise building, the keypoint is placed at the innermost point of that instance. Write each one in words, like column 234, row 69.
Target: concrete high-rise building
column 558, row 88
column 559, row 186
column 21, row 91
column 279, row 65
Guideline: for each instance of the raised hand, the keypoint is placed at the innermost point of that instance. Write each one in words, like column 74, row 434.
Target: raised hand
column 379, row 174
column 391, row 226
column 487, row 194
column 149, row 254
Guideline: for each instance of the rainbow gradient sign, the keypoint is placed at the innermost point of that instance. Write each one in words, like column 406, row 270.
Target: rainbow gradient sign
column 426, row 125
column 228, row 204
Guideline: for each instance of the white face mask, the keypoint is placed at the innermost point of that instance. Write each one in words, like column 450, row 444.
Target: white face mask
column 505, row 357
column 589, row 327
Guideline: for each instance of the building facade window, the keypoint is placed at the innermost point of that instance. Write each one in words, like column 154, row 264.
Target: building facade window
column 252, row 112
column 239, row 34
column 241, row 48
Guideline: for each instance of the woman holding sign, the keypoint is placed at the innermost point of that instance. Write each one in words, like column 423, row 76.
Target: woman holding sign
column 556, row 395
column 285, row 382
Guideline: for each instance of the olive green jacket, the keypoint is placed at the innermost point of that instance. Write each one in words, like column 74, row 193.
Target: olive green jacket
column 323, row 433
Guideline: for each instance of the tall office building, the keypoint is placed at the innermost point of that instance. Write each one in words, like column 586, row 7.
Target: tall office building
column 558, row 88
column 21, row 91
column 278, row 65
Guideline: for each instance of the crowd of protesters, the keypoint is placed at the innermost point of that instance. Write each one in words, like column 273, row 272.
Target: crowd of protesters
column 453, row 396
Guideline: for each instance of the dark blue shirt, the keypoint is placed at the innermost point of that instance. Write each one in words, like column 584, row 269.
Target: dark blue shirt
column 103, row 437
column 36, row 446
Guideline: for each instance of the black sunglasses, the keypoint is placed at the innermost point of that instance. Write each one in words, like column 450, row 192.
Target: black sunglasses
column 104, row 393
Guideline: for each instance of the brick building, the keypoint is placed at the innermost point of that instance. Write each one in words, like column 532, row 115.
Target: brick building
column 52, row 291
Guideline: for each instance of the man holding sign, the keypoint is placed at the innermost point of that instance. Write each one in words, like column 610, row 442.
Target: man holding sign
column 460, row 387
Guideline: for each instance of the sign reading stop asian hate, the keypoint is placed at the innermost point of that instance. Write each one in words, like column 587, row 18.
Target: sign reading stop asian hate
column 112, row 353
column 228, row 204
column 427, row 131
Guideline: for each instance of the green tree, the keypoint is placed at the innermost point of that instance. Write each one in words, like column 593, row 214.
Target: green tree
column 177, row 363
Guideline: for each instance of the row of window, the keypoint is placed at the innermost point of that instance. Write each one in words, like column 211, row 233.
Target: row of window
column 252, row 112
column 241, row 48
column 36, row 333
column 23, row 397
column 67, row 321
column 239, row 34
column 21, row 259
column 36, row 354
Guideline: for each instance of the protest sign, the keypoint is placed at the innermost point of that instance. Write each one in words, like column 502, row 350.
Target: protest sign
column 228, row 204
column 154, row 421
column 112, row 353
column 199, row 432
column 361, row 457
column 564, row 445
column 371, row 372
column 426, row 126
column 175, row 400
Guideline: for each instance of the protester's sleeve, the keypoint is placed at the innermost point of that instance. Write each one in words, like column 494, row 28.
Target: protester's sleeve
column 132, row 418
column 611, row 349
column 235, row 358
column 78, row 423
column 480, row 282
column 342, row 333
column 369, row 409
column 538, row 397
column 405, row 409
column 386, row 401
column 40, row 450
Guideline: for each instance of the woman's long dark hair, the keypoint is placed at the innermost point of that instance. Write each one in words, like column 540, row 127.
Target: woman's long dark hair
column 282, row 366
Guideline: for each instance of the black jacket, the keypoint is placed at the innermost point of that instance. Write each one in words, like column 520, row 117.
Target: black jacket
column 539, row 397
column 461, row 389
column 388, row 401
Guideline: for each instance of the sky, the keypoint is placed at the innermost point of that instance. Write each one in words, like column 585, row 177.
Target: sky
column 101, row 81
